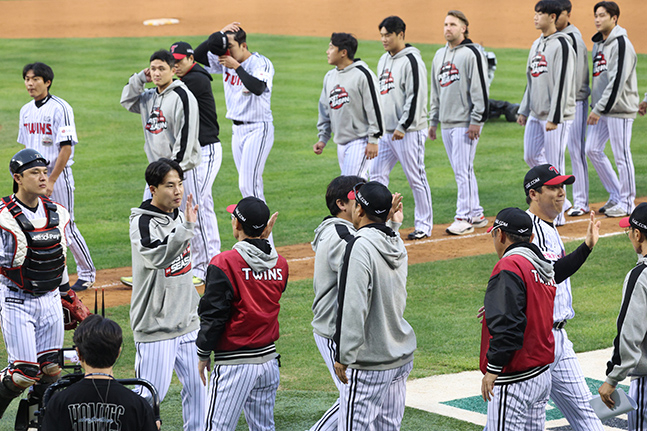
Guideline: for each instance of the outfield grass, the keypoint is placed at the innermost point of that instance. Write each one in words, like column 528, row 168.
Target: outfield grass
column 444, row 296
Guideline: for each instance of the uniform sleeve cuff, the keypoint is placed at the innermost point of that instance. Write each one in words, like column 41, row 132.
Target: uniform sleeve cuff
column 494, row 369
column 204, row 354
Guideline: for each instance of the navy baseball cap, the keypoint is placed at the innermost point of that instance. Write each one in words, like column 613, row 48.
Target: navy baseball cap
column 514, row 221
column 251, row 212
column 181, row 50
column 637, row 219
column 25, row 159
column 545, row 175
column 374, row 197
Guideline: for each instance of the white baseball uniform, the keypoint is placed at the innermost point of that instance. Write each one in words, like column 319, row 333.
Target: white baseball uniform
column 458, row 99
column 614, row 98
column 44, row 125
column 403, row 96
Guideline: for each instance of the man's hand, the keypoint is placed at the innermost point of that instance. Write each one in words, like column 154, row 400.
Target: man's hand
column 642, row 108
column 593, row 119
column 270, row 224
column 550, row 126
column 191, row 210
column 432, row 133
column 233, row 27
column 50, row 187
column 340, row 370
column 229, row 62
column 396, row 208
column 592, row 232
column 487, row 386
column 605, row 391
column 398, row 135
column 147, row 74
column 202, row 366
column 521, row 120
column 319, row 147
column 371, row 151
column 473, row 131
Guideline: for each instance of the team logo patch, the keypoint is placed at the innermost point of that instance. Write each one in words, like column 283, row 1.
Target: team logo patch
column 181, row 265
column 599, row 64
column 14, row 300
column 449, row 74
column 47, row 140
column 156, row 122
column 538, row 65
column 386, row 82
column 338, row 97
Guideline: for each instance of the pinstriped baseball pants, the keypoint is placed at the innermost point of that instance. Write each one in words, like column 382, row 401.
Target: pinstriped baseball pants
column 352, row 158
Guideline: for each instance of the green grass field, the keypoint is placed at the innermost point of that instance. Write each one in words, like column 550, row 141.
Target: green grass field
column 443, row 296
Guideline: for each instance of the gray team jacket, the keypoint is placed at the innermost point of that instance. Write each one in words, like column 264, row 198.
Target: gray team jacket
column 349, row 106
column 581, row 62
column 630, row 345
column 550, row 90
column 458, row 88
column 164, row 302
column 171, row 120
column 371, row 332
column 614, row 88
column 403, row 90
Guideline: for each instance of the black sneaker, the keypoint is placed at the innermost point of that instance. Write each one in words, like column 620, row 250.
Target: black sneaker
column 81, row 285
column 417, row 234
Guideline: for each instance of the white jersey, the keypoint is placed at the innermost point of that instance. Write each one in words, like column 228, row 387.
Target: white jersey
column 243, row 105
column 550, row 243
column 44, row 125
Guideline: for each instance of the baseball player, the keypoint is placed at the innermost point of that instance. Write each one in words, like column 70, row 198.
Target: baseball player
column 349, row 108
column 577, row 132
column 517, row 343
column 198, row 81
column 459, row 100
column 239, row 323
column 34, row 278
column 614, row 103
column 545, row 194
column 170, row 118
column 403, row 96
column 548, row 105
column 630, row 345
column 247, row 79
column 163, row 307
column 375, row 344
column 47, row 126
column 98, row 401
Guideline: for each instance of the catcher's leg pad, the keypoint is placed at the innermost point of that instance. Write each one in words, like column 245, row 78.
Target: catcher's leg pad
column 14, row 380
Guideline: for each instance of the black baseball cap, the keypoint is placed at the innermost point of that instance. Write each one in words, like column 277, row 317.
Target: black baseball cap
column 251, row 212
column 637, row 219
column 545, row 175
column 181, row 50
column 374, row 197
column 514, row 221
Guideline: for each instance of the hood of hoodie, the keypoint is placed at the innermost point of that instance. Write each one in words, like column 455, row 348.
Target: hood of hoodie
column 533, row 254
column 387, row 243
column 257, row 259
column 353, row 65
column 615, row 33
column 199, row 69
column 172, row 85
column 149, row 209
column 408, row 49
column 329, row 220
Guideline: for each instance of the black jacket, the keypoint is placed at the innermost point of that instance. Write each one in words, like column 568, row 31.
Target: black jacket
column 199, row 82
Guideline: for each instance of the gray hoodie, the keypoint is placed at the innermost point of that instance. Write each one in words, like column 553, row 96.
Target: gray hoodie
column 349, row 106
column 371, row 332
column 171, row 120
column 459, row 89
column 164, row 302
column 614, row 88
column 550, row 73
column 630, row 345
column 582, row 62
column 544, row 267
column 403, row 90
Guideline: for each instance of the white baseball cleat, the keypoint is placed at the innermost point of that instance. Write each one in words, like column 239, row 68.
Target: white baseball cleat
column 480, row 221
column 460, row 227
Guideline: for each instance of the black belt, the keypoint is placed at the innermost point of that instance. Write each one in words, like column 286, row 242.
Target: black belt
column 559, row 325
column 240, row 123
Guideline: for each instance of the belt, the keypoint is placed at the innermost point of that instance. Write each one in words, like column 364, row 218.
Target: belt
column 240, row 123
column 559, row 325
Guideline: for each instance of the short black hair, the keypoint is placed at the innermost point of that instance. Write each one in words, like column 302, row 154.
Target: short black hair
column 514, row 238
column 345, row 41
column 163, row 55
column 239, row 36
column 566, row 5
column 549, row 7
column 393, row 24
column 339, row 189
column 611, row 7
column 98, row 340
column 156, row 171
column 40, row 69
